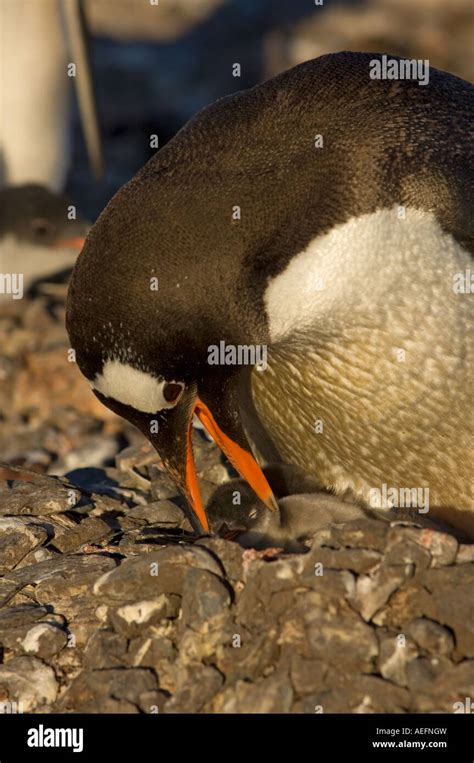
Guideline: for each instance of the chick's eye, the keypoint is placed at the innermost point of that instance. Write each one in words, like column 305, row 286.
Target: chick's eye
column 172, row 391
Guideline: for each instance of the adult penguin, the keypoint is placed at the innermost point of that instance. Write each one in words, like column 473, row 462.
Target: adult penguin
column 326, row 217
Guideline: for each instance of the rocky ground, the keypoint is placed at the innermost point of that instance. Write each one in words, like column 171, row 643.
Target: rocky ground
column 107, row 602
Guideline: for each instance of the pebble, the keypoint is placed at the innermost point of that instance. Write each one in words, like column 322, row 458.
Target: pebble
column 29, row 682
column 431, row 636
column 44, row 640
column 111, row 690
column 396, row 652
column 40, row 496
column 18, row 536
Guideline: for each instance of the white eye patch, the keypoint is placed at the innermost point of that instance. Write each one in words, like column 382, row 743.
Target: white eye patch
column 130, row 386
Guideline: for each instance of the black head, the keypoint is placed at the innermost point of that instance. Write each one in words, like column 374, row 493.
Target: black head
column 147, row 311
column 35, row 215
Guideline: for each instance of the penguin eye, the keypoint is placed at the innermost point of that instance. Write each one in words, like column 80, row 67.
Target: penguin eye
column 41, row 227
column 172, row 391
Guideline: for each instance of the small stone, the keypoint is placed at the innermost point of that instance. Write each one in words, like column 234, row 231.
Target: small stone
column 357, row 694
column 217, row 474
column 44, row 640
column 373, row 592
column 132, row 619
column 20, row 615
column 95, row 452
column 447, row 688
column 152, row 651
column 307, row 676
column 109, row 690
column 356, row 560
column 361, row 533
column 90, row 530
column 248, row 655
column 395, row 653
column 442, row 547
column 465, row 554
column 142, row 541
column 407, row 602
column 163, row 513
column 40, row 496
column 451, row 603
column 17, row 538
column 37, row 555
column 28, row 681
column 105, row 649
column 196, row 686
column 152, row 701
column 210, row 604
column 422, row 672
column 402, row 549
column 134, row 459
column 269, row 695
column 68, row 588
column 72, row 579
column 330, row 626
column 230, row 555
column 258, row 602
column 431, row 636
column 146, row 577
column 17, row 621
column 162, row 486
column 74, row 569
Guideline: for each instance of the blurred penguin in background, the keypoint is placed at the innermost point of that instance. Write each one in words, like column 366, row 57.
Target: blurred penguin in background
column 35, row 94
column 40, row 232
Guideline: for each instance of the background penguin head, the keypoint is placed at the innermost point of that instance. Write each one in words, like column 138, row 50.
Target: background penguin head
column 34, row 215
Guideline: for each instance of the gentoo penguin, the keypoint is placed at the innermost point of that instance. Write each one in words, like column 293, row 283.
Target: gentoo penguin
column 303, row 511
column 326, row 217
column 43, row 53
column 37, row 237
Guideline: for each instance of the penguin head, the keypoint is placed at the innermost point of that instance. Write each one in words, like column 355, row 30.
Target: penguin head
column 146, row 353
column 34, row 215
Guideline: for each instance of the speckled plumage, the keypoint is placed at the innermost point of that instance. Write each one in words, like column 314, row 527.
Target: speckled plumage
column 386, row 145
column 378, row 384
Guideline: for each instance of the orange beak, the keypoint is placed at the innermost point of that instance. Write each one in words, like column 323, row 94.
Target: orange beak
column 242, row 460
column 70, row 243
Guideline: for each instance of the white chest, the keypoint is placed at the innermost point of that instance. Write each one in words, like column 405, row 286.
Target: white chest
column 369, row 377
